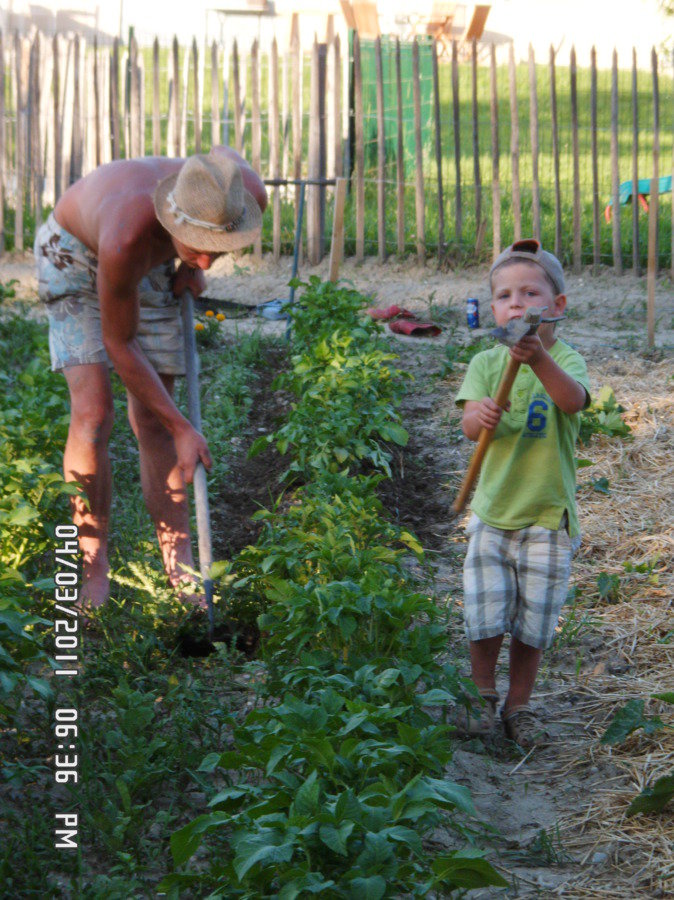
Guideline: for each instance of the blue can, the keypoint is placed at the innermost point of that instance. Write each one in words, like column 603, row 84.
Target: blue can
column 473, row 312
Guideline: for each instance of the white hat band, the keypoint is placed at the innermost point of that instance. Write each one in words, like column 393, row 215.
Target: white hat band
column 181, row 216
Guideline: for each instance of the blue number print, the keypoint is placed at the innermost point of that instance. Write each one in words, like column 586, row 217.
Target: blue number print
column 536, row 419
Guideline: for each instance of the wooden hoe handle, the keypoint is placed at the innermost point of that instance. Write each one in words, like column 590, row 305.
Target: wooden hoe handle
column 484, row 439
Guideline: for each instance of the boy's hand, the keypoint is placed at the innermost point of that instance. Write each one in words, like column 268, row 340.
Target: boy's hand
column 479, row 414
column 489, row 413
column 528, row 349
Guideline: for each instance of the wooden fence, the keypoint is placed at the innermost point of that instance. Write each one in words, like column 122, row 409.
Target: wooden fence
column 67, row 106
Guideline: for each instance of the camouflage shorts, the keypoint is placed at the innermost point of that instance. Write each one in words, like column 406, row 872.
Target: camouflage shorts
column 67, row 284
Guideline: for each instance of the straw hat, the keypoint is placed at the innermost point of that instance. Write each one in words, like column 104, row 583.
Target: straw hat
column 206, row 207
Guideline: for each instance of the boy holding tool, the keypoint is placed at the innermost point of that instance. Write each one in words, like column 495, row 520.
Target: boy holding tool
column 105, row 260
column 524, row 528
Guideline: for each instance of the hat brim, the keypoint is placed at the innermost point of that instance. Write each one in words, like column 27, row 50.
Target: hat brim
column 198, row 238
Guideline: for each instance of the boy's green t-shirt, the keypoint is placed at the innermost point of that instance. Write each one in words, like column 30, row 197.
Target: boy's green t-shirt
column 528, row 475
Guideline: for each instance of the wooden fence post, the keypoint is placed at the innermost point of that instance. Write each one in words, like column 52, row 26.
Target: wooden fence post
column 134, row 149
column 419, row 159
column 515, row 146
column 35, row 152
column 400, row 160
column 3, row 144
column 495, row 176
column 476, row 153
column 337, row 109
column 296, row 102
column 274, row 161
column 654, row 207
column 576, row 165
column 360, row 150
column 615, row 171
column 98, row 139
column 175, row 118
column 381, row 156
column 156, row 122
column 456, row 119
column 56, row 103
column 239, row 122
column 636, row 262
column 594, row 128
column 225, row 98
column 196, row 97
column 533, row 128
column 20, row 141
column 256, row 126
column 76, row 153
column 114, row 100
column 438, row 151
column 317, row 156
column 555, row 155
column 337, row 244
column 215, row 96
column 184, row 103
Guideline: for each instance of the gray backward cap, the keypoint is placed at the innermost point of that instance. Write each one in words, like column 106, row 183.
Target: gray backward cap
column 530, row 249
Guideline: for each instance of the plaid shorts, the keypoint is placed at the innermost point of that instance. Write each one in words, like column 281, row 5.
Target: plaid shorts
column 515, row 581
column 67, row 273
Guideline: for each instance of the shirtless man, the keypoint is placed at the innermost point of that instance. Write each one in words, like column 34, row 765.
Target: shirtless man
column 105, row 261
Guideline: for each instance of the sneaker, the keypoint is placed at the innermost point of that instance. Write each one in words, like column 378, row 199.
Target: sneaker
column 523, row 727
column 478, row 720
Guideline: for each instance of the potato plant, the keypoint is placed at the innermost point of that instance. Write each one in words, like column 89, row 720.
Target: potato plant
column 336, row 777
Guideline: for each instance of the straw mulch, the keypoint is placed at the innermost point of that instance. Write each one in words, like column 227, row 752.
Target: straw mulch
column 633, row 524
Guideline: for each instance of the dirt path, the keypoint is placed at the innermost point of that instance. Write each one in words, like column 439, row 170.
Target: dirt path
column 560, row 811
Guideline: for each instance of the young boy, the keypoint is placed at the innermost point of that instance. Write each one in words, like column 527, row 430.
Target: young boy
column 524, row 528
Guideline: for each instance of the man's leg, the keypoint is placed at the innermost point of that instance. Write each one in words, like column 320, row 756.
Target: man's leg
column 86, row 460
column 163, row 487
column 524, row 663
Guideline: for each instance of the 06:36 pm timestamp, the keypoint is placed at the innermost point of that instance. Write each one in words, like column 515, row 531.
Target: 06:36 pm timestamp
column 65, row 763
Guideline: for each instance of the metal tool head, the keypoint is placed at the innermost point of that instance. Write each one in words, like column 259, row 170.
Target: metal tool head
column 516, row 329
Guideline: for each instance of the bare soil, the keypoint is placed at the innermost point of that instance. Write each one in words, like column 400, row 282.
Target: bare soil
column 560, row 812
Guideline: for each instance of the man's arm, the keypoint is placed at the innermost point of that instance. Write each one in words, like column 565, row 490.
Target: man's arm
column 118, row 276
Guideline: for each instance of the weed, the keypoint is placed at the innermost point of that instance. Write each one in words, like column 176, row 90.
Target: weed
column 603, row 417
column 608, row 586
column 7, row 291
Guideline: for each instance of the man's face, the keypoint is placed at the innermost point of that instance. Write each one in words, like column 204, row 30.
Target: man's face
column 196, row 259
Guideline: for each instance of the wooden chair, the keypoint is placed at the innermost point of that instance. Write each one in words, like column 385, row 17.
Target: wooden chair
column 440, row 24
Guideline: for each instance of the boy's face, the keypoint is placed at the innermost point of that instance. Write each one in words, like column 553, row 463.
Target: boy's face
column 519, row 285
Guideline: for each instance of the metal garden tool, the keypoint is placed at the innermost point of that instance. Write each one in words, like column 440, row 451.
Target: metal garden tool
column 200, row 488
column 509, row 334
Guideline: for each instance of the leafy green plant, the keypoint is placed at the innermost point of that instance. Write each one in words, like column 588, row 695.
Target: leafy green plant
column 603, row 416
column 632, row 717
column 334, row 778
column 653, row 798
column 466, row 353
column 608, row 586
column 7, row 291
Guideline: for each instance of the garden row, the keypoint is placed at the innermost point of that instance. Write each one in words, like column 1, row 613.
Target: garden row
column 335, row 779
column 33, row 427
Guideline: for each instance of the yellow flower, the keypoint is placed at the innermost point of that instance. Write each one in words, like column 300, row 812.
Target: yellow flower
column 199, row 326
column 220, row 317
column 209, row 312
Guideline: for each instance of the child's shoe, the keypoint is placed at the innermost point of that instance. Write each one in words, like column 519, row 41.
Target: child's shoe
column 478, row 720
column 523, row 727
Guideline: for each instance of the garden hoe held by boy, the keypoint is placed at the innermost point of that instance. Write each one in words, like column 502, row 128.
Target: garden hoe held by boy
column 510, row 335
